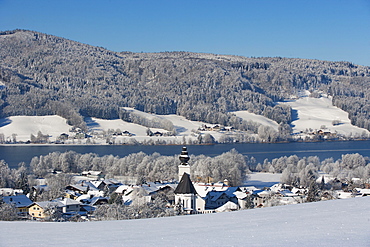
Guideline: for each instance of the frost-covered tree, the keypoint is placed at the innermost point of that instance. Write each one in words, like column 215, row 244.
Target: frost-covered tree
column 8, row 212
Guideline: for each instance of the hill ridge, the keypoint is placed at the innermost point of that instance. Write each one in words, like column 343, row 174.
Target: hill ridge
column 47, row 75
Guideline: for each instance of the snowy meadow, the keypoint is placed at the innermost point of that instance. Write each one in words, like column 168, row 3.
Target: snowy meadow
column 327, row 223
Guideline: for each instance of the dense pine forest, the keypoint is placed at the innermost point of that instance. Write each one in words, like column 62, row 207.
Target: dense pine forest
column 42, row 74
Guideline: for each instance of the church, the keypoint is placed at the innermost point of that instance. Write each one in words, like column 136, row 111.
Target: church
column 202, row 198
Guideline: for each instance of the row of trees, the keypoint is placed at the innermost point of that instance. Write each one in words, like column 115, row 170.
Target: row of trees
column 154, row 167
column 302, row 171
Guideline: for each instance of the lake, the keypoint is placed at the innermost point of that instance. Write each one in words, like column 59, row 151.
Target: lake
column 13, row 155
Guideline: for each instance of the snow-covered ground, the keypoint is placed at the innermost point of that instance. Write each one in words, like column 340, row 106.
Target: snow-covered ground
column 315, row 113
column 24, row 126
column 257, row 118
column 99, row 125
column 342, row 222
column 311, row 113
column 263, row 179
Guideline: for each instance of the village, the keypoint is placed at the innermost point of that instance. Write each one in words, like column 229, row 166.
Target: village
column 90, row 191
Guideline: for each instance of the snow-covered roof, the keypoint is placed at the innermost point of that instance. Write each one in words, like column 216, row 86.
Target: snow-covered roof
column 9, row 191
column 296, row 190
column 83, row 186
column 83, row 197
column 151, row 187
column 287, row 193
column 97, row 183
column 363, row 191
column 247, row 188
column 215, row 195
column 343, row 195
column 229, row 206
column 262, row 193
column 68, row 202
column 112, row 181
column 94, row 200
column 123, row 188
column 241, row 195
column 93, row 173
column 230, row 191
column 203, row 188
column 45, row 204
column 18, row 200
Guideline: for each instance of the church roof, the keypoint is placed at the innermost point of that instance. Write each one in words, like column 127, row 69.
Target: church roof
column 185, row 186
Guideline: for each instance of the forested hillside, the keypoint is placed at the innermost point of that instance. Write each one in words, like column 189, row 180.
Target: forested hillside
column 44, row 75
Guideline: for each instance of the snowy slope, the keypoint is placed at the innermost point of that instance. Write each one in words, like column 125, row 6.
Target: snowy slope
column 257, row 118
column 96, row 124
column 24, row 126
column 182, row 125
column 331, row 223
column 315, row 112
column 312, row 113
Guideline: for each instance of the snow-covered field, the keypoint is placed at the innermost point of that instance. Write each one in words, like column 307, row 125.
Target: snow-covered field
column 24, row 126
column 257, row 118
column 96, row 124
column 312, row 113
column 262, row 179
column 315, row 113
column 342, row 222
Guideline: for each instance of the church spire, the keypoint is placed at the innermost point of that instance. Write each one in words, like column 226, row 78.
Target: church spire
column 184, row 156
column 184, row 166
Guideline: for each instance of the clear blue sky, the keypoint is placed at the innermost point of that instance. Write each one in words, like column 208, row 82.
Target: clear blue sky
column 335, row 30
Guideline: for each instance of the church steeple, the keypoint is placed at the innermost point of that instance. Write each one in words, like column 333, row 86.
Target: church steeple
column 185, row 193
column 184, row 166
column 184, row 156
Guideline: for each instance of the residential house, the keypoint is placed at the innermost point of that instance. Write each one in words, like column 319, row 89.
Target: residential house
column 69, row 205
column 111, row 183
column 260, row 197
column 66, row 206
column 95, row 175
column 227, row 207
column 20, row 201
column 157, row 133
column 81, row 188
column 39, row 210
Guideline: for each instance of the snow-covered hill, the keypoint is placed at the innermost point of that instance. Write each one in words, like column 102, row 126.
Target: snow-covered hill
column 257, row 118
column 308, row 114
column 342, row 222
column 319, row 113
column 24, row 126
